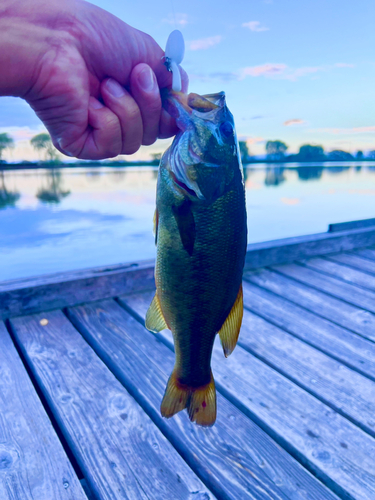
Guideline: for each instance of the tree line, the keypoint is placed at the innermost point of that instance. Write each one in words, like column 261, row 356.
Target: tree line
column 277, row 151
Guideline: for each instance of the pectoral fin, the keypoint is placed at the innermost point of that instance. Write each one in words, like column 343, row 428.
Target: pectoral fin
column 186, row 225
column 231, row 328
column 156, row 223
column 155, row 321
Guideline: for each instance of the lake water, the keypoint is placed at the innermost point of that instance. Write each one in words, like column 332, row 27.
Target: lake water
column 87, row 217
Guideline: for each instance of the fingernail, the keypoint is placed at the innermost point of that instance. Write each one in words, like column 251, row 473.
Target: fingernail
column 146, row 79
column 114, row 88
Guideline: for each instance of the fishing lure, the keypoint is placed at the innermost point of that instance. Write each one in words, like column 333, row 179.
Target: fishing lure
column 174, row 54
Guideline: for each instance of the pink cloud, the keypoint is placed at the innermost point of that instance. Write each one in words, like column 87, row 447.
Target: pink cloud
column 293, row 121
column 205, row 43
column 267, row 70
column 255, row 26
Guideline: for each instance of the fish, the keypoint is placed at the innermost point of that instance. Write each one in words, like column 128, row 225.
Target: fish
column 200, row 227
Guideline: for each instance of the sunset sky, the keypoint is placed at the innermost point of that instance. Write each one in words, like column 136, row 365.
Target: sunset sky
column 301, row 72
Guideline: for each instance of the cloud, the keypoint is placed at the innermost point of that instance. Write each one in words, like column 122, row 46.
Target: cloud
column 255, row 26
column 179, row 18
column 22, row 133
column 293, row 121
column 251, row 140
column 267, row 70
column 279, row 71
column 344, row 65
column 345, row 131
column 205, row 43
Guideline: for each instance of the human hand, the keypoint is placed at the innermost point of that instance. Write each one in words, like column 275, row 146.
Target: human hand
column 93, row 80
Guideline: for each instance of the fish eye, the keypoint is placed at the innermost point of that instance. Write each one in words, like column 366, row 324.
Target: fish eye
column 226, row 128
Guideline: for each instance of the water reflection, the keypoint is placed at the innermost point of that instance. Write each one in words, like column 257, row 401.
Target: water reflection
column 74, row 218
column 274, row 176
column 7, row 198
column 53, row 193
column 309, row 173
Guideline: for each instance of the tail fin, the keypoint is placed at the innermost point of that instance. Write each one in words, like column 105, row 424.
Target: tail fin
column 200, row 401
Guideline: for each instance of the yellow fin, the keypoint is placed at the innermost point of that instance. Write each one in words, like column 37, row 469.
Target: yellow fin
column 155, row 321
column 200, row 401
column 231, row 328
column 202, row 404
column 175, row 398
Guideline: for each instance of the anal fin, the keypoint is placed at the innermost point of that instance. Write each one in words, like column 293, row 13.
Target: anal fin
column 230, row 330
column 155, row 321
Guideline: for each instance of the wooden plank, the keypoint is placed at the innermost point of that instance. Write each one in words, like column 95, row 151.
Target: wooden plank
column 368, row 253
column 343, row 389
column 301, row 247
column 355, row 261
column 345, row 226
column 358, row 320
column 337, row 451
column 33, row 464
column 120, row 450
column 44, row 293
column 335, row 287
column 335, row 341
column 234, row 457
column 341, row 272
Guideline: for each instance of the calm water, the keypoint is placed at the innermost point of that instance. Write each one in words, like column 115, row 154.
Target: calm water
column 81, row 218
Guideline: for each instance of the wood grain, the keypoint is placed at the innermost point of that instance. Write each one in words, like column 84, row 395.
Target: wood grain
column 235, row 458
column 119, row 449
column 337, row 451
column 343, row 389
column 355, row 261
column 301, row 247
column 45, row 293
column 342, row 272
column 368, row 253
column 33, row 464
column 355, row 319
column 337, row 342
column 365, row 299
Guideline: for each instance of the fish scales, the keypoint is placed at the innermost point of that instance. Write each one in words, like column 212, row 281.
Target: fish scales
column 201, row 246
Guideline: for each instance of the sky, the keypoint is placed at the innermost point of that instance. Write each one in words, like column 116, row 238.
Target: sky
column 297, row 71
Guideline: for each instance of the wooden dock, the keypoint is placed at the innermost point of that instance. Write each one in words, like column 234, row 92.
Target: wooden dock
column 81, row 381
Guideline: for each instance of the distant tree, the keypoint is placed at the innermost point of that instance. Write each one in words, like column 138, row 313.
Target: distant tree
column 340, row 155
column 371, row 155
column 42, row 142
column 276, row 149
column 307, row 152
column 156, row 157
column 5, row 142
column 244, row 151
column 359, row 155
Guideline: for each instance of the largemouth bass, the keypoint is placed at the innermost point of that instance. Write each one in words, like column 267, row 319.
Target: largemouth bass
column 201, row 236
